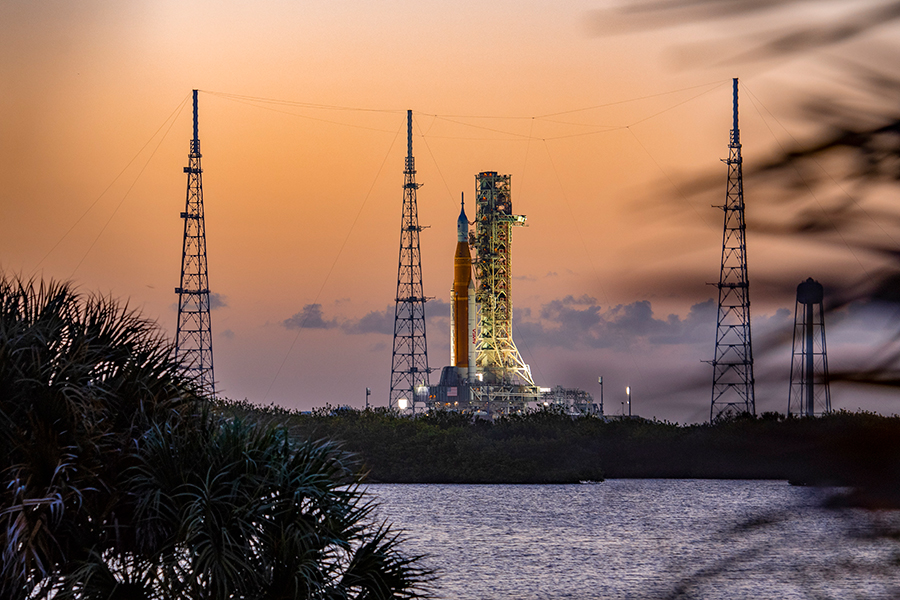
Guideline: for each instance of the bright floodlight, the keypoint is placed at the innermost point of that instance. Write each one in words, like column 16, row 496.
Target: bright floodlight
column 422, row 389
column 628, row 390
column 402, row 403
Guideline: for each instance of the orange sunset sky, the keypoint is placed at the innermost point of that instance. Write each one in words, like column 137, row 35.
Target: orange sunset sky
column 606, row 129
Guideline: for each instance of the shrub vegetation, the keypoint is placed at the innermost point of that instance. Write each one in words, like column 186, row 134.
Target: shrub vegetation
column 853, row 449
column 119, row 483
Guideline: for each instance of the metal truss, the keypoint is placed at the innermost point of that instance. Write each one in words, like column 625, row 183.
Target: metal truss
column 503, row 398
column 409, row 363
column 733, row 382
column 193, row 337
column 497, row 359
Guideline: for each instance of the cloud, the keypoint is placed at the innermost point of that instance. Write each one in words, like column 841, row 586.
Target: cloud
column 309, row 318
column 566, row 322
column 536, row 277
column 377, row 321
column 782, row 319
column 217, row 300
column 437, row 309
column 572, row 322
column 382, row 321
column 567, row 314
column 227, row 334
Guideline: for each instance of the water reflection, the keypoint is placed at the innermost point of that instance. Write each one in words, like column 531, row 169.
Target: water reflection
column 645, row 539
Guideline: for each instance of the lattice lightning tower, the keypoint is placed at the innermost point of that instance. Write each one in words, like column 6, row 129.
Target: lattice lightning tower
column 193, row 338
column 409, row 364
column 497, row 357
column 733, row 383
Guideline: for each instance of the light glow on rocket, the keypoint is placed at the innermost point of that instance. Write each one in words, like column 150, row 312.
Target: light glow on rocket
column 462, row 283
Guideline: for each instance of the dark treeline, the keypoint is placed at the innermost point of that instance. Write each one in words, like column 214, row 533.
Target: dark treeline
column 853, row 449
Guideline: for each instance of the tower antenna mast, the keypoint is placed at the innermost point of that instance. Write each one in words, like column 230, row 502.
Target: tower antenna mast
column 193, row 337
column 409, row 363
column 733, row 382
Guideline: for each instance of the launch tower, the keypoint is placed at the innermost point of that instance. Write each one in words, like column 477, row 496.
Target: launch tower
column 504, row 376
column 409, row 363
column 193, row 337
column 733, row 383
column 809, row 360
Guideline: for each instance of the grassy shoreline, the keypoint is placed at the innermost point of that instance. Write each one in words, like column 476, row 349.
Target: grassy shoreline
column 849, row 449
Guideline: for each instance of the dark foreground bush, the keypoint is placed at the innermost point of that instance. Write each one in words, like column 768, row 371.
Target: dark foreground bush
column 117, row 483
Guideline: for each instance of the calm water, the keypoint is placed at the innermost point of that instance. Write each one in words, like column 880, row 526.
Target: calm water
column 644, row 539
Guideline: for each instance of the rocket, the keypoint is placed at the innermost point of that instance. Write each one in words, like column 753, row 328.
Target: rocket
column 462, row 305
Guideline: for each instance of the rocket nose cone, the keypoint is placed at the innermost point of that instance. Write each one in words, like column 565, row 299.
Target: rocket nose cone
column 462, row 227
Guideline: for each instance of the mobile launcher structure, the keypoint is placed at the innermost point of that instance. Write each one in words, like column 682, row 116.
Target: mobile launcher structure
column 486, row 374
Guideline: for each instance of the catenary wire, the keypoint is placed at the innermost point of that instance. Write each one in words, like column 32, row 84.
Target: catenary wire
column 333, row 264
column 250, row 100
column 128, row 191
column 172, row 117
column 240, row 100
column 671, row 181
column 515, row 324
column 584, row 247
column 433, row 159
column 298, row 103
column 753, row 100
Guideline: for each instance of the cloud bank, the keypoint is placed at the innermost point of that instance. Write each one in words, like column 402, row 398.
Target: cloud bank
column 581, row 322
column 376, row 321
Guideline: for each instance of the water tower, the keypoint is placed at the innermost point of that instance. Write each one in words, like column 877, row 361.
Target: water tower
column 809, row 394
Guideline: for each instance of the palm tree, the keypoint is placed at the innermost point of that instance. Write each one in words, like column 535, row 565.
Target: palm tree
column 120, row 483
column 260, row 517
column 79, row 379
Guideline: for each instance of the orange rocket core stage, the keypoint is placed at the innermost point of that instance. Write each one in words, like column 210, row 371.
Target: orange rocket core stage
column 462, row 275
column 460, row 306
